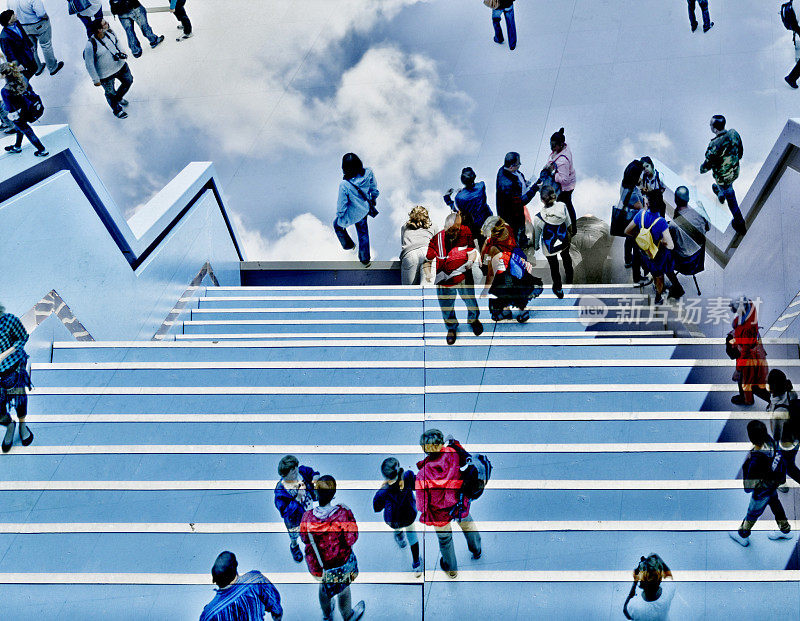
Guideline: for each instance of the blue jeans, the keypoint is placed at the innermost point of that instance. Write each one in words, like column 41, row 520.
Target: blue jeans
column 445, row 536
column 726, row 192
column 363, row 238
column 511, row 26
column 138, row 16
column 756, row 508
column 447, row 301
column 704, row 8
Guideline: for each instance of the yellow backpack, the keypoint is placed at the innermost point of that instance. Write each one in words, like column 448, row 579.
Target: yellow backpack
column 644, row 238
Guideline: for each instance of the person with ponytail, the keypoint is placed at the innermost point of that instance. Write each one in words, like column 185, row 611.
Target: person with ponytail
column 560, row 164
column 19, row 101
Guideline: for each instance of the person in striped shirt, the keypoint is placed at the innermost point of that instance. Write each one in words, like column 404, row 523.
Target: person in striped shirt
column 241, row 598
column 14, row 378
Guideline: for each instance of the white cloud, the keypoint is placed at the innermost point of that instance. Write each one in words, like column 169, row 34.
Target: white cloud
column 595, row 196
column 304, row 238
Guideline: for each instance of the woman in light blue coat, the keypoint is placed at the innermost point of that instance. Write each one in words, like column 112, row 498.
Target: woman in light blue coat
column 357, row 196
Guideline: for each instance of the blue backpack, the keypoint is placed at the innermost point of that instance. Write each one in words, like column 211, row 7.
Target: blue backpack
column 555, row 238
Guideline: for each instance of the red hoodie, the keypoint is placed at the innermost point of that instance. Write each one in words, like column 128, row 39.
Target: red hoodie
column 334, row 530
column 438, row 482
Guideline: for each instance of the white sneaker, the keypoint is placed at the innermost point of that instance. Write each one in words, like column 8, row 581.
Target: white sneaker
column 742, row 541
column 776, row 535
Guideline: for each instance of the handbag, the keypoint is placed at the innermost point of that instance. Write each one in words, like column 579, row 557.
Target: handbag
column 336, row 579
column 731, row 349
column 621, row 216
column 492, row 4
column 370, row 201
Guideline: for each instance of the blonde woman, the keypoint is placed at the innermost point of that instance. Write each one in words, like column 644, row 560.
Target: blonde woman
column 23, row 106
column 415, row 235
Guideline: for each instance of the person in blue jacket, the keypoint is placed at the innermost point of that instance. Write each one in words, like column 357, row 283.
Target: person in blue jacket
column 357, row 195
column 295, row 494
column 396, row 499
column 17, row 46
column 471, row 202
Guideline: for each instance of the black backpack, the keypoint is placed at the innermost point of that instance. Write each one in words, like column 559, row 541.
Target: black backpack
column 476, row 470
column 32, row 106
column 789, row 17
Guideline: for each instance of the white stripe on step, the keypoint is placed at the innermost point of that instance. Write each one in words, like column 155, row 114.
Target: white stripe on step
column 370, row 486
column 505, row 526
column 366, row 577
column 417, row 417
column 429, row 333
column 371, row 449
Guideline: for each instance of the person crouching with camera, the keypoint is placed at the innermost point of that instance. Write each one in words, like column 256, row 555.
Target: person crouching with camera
column 105, row 62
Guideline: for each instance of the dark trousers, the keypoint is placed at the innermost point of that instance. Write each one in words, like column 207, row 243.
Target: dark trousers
column 114, row 95
column 555, row 273
column 633, row 257
column 24, row 129
column 183, row 18
column 726, row 192
column 566, row 198
column 704, row 8
column 794, row 74
column 791, row 467
column 363, row 238
column 87, row 21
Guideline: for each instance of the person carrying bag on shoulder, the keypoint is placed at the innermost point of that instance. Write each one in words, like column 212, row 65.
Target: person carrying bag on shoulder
column 329, row 532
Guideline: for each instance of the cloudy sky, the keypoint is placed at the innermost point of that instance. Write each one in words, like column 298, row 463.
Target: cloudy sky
column 274, row 93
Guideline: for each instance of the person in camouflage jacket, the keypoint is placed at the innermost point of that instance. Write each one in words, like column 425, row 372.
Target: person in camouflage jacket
column 722, row 159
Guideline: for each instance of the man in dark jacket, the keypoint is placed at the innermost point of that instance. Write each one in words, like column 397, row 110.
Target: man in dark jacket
column 763, row 472
column 17, row 45
column 506, row 7
column 513, row 193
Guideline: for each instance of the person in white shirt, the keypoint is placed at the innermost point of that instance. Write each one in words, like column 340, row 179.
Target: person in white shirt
column 652, row 600
column 36, row 23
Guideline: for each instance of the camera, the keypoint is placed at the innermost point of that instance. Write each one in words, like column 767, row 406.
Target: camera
column 119, row 56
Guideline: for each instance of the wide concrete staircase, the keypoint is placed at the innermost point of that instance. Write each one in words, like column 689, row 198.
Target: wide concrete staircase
column 609, row 441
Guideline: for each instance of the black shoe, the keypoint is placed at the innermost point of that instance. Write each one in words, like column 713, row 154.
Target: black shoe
column 138, row 55
column 39, row 71
column 790, row 82
column 58, row 68
column 184, row 37
column 8, row 439
column 694, row 26
column 559, row 293
column 739, row 400
column 452, row 574
column 12, row 148
column 477, row 328
column 476, row 556
column 500, row 41
column 451, row 336
column 709, row 27
column 41, row 153
column 26, row 441
column 524, row 316
column 676, row 293
column 158, row 42
column 297, row 554
column 659, row 300
column 121, row 114
column 123, row 102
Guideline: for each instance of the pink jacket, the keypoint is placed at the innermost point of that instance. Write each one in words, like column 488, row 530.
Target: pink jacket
column 334, row 530
column 438, row 482
column 565, row 174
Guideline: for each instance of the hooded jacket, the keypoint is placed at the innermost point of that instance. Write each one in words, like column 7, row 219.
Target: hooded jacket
column 334, row 530
column 555, row 214
column 438, row 483
column 511, row 197
column 565, row 171
column 351, row 206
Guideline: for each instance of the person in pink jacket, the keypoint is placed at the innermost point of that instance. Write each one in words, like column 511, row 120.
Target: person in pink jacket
column 437, row 486
column 560, row 163
column 329, row 532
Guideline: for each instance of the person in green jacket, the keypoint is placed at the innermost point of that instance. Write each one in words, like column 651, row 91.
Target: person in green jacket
column 722, row 159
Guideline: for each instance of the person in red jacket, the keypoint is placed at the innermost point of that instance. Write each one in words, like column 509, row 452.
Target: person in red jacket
column 329, row 532
column 437, row 486
column 751, row 363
